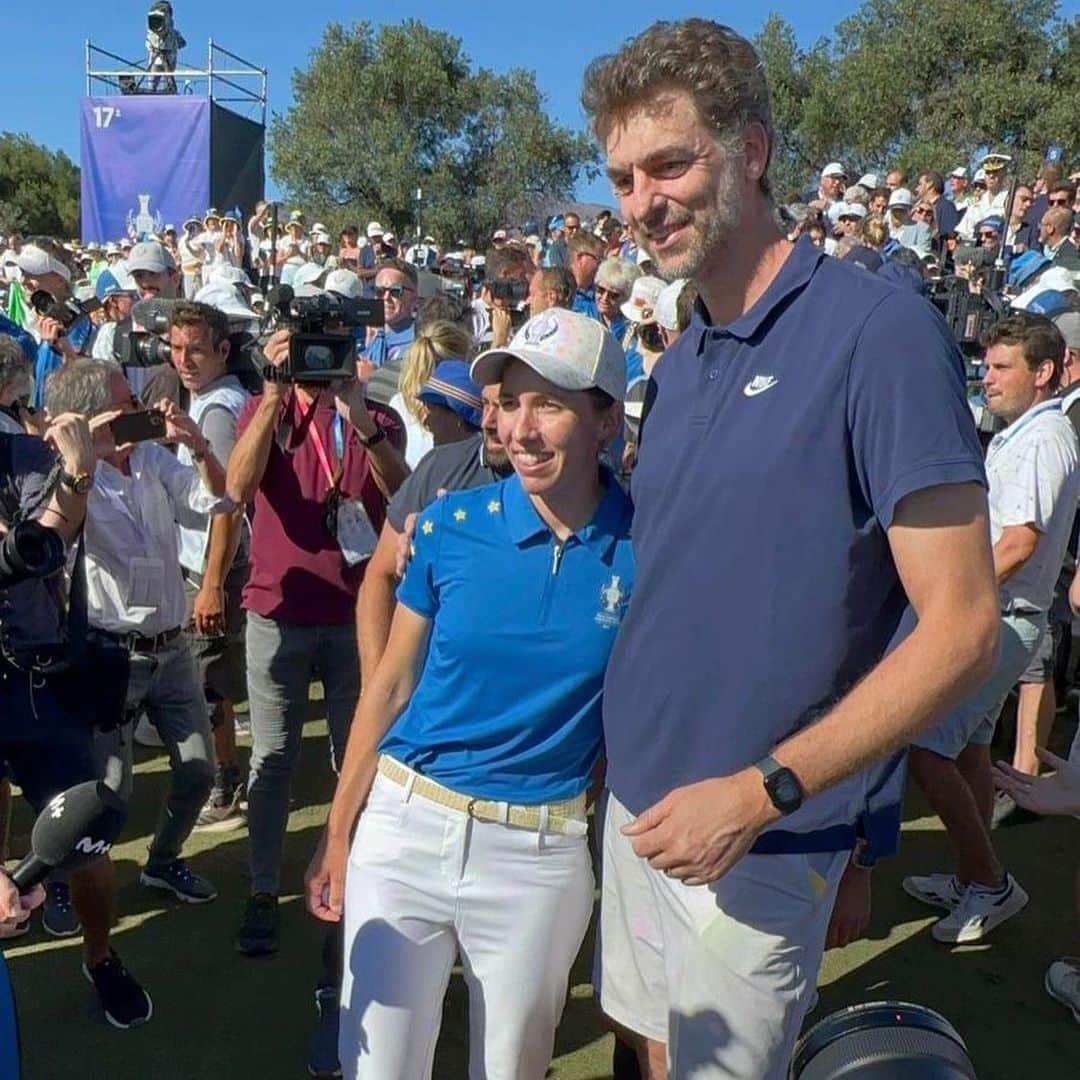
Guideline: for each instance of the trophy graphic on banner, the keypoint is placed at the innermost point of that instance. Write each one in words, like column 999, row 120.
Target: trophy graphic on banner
column 144, row 225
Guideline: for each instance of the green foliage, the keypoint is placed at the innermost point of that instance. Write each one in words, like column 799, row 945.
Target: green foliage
column 903, row 82
column 39, row 189
column 379, row 113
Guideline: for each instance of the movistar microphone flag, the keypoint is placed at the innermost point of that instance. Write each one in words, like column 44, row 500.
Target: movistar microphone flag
column 145, row 163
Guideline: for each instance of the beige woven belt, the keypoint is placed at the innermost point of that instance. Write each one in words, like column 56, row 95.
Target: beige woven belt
column 561, row 817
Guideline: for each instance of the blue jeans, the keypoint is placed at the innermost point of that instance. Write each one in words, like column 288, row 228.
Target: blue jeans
column 282, row 659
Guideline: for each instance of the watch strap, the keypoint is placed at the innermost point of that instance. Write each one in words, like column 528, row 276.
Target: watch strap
column 373, row 439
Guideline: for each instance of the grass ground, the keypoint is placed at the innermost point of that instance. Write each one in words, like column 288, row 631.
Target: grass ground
column 218, row 1015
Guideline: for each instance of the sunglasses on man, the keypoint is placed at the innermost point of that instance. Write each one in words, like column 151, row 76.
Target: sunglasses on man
column 396, row 291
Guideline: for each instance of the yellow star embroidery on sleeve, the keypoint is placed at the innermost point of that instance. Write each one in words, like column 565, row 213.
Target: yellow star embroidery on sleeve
column 428, row 527
column 460, row 515
column 493, row 506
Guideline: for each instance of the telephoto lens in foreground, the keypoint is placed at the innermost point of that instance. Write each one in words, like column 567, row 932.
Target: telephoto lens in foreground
column 882, row 1040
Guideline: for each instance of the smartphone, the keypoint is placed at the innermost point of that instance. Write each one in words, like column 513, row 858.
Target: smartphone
column 138, row 426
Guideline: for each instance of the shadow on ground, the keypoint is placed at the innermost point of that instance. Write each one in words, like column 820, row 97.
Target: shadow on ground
column 219, row 1015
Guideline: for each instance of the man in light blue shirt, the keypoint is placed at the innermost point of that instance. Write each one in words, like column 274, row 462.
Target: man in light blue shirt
column 395, row 285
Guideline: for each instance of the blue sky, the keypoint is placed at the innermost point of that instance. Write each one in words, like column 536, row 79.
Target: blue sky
column 44, row 53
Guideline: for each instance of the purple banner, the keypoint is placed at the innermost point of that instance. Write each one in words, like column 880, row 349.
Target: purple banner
column 145, row 164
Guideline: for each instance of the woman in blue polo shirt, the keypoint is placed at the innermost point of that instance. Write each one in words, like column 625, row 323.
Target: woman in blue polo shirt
column 475, row 740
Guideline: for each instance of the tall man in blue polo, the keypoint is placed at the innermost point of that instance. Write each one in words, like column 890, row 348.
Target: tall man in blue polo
column 1034, row 483
column 808, row 467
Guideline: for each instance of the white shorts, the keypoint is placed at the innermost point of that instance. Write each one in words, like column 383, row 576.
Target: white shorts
column 723, row 974
column 424, row 883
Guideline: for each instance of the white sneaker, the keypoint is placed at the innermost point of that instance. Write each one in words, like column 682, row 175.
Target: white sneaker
column 1062, row 983
column 937, row 890
column 146, row 734
column 979, row 911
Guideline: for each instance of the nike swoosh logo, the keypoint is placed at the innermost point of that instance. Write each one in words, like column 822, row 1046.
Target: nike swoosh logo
column 759, row 385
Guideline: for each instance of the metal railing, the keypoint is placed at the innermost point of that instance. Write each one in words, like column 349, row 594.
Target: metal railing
column 226, row 79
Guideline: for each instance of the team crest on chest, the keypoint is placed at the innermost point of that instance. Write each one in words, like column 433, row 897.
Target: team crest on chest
column 613, row 600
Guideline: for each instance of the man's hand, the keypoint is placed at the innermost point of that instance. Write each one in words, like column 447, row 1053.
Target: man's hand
column 502, row 328
column 180, row 428
column 208, row 610
column 15, row 909
column 698, row 832
column 351, row 405
column 1054, row 794
column 851, row 912
column 70, row 436
column 324, row 882
column 101, row 431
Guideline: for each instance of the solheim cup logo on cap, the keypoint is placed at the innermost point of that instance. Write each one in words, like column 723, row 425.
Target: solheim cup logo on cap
column 612, row 603
column 141, row 223
column 540, row 328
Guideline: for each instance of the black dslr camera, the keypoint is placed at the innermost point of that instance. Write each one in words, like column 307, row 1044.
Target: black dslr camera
column 65, row 312
column 316, row 356
column 29, row 550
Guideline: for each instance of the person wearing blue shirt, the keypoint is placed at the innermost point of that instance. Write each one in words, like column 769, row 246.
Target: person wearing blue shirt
column 395, row 285
column 478, row 735
column 24, row 340
column 808, row 468
column 43, row 269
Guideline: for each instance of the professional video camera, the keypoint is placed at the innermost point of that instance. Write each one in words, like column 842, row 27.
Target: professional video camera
column 29, row 550
column 65, row 312
column 314, row 354
column 969, row 314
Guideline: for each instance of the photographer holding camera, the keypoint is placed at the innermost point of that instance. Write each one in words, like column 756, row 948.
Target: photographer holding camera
column 499, row 308
column 43, row 269
column 136, row 603
column 320, row 464
column 46, row 740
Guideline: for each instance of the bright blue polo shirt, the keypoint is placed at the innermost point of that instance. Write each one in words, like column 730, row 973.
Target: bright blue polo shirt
column 388, row 344
column 585, row 303
column 508, row 704
column 771, row 463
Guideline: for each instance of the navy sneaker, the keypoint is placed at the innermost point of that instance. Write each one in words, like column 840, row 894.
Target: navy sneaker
column 323, row 1062
column 57, row 913
column 258, row 933
column 125, row 1002
column 176, row 877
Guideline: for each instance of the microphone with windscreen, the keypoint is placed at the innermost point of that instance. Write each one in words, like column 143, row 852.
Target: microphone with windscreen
column 76, row 827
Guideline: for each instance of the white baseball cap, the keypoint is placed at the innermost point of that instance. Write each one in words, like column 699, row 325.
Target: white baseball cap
column 851, row 209
column 834, row 168
column 568, row 349
column 374, row 229
column 666, row 308
column 499, row 234
column 36, row 261
column 226, row 298
column 959, row 172
column 901, row 197
column 869, row 181
column 643, row 296
column 344, row 283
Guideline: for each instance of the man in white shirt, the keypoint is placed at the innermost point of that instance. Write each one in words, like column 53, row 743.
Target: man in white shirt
column 992, row 200
column 135, row 596
column 1034, row 481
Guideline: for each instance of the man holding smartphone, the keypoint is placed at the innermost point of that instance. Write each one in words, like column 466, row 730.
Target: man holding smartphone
column 135, row 595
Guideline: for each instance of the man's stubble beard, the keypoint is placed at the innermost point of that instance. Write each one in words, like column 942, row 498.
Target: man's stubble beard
column 711, row 228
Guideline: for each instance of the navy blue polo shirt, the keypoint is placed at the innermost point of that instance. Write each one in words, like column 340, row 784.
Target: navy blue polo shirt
column 508, row 704
column 771, row 463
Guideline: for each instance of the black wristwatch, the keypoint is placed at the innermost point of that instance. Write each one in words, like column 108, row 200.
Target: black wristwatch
column 781, row 785
column 372, row 440
column 80, row 483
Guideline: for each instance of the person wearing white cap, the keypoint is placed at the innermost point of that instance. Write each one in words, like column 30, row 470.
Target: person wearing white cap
column 958, row 188
column 637, row 309
column 916, row 235
column 154, row 271
column 674, row 307
column 322, row 251
column 831, row 186
column 993, row 171
column 472, row 838
column 42, row 268
column 370, row 254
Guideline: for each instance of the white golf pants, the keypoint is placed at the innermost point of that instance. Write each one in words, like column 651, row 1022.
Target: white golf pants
column 426, row 883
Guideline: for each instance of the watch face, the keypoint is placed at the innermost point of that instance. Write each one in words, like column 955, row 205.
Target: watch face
column 786, row 791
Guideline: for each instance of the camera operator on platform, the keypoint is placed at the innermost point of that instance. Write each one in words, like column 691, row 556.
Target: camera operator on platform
column 46, row 738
